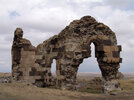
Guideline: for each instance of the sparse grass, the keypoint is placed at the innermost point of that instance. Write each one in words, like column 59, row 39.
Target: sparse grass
column 90, row 88
column 5, row 74
column 94, row 90
column 21, row 91
column 127, row 85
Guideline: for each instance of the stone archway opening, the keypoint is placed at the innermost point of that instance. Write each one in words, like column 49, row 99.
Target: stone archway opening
column 53, row 68
column 89, row 71
column 89, row 64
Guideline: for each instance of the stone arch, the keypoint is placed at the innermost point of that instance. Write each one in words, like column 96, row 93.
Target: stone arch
column 69, row 48
column 108, row 58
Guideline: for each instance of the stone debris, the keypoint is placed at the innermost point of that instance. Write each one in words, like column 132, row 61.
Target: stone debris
column 113, row 93
column 120, row 75
column 96, row 81
column 68, row 48
column 110, row 86
column 5, row 79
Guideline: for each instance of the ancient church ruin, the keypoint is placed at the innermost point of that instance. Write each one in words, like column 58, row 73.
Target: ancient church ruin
column 69, row 48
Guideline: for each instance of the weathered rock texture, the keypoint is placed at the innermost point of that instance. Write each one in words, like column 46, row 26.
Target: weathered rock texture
column 68, row 48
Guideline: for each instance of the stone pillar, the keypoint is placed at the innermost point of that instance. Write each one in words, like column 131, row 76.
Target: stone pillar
column 16, row 53
column 66, row 75
column 109, row 58
column 109, row 74
column 69, row 73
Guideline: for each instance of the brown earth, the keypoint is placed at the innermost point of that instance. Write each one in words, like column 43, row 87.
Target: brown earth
column 21, row 91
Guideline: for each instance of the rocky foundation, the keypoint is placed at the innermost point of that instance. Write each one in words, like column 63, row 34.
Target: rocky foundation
column 69, row 48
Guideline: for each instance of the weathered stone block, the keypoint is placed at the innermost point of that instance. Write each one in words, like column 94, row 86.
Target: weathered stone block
column 116, row 54
column 107, row 42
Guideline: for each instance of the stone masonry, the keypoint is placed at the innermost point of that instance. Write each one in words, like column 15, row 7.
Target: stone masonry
column 69, row 48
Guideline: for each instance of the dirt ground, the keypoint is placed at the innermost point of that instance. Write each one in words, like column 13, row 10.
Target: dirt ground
column 22, row 91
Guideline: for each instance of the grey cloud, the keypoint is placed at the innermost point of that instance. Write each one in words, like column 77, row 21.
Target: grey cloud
column 5, row 27
column 118, row 3
column 37, row 37
column 8, row 38
column 42, row 19
column 5, row 61
column 131, row 43
column 5, row 49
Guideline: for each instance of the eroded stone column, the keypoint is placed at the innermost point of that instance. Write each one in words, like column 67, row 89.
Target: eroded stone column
column 109, row 58
column 16, row 53
column 66, row 73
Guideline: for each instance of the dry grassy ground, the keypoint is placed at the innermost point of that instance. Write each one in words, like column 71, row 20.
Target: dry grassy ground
column 21, row 91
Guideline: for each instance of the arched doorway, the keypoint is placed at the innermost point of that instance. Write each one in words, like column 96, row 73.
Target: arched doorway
column 90, row 64
column 53, row 68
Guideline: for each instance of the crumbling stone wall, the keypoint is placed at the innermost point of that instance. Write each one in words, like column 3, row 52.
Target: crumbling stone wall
column 25, row 66
column 68, row 48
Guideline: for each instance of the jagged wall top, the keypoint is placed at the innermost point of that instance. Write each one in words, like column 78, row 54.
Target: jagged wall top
column 86, row 26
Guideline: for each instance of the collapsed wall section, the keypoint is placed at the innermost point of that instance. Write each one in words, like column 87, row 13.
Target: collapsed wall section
column 26, row 60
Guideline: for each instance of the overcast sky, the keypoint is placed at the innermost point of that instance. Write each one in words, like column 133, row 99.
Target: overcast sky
column 41, row 19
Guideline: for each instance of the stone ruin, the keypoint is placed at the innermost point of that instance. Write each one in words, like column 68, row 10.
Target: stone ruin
column 69, row 48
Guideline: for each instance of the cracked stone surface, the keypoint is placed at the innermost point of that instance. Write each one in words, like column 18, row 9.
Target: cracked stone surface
column 69, row 48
